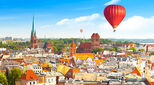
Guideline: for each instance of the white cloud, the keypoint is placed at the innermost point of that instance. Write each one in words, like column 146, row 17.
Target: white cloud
column 84, row 18
column 78, row 19
column 112, row 2
column 62, row 21
column 134, row 23
column 133, row 27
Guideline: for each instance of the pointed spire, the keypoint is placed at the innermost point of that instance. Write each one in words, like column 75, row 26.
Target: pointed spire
column 73, row 44
column 33, row 31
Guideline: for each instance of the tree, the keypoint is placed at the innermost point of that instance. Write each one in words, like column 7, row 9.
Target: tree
column 97, row 50
column 14, row 74
column 132, row 48
column 152, row 53
column 3, row 79
column 55, row 49
column 115, row 49
column 142, row 50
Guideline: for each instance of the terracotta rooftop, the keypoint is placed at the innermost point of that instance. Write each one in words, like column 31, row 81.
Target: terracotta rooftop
column 136, row 71
column 96, row 35
column 29, row 75
column 17, row 60
column 85, row 45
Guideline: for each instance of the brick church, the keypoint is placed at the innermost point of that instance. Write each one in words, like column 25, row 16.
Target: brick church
column 47, row 46
column 87, row 47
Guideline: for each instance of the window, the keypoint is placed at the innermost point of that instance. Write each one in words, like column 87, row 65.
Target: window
column 30, row 83
column 49, row 80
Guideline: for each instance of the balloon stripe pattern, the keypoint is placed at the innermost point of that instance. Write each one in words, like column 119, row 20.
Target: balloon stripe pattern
column 114, row 14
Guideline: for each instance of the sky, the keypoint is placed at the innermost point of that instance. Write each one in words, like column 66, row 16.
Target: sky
column 65, row 18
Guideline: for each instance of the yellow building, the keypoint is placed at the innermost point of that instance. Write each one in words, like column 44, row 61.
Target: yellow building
column 84, row 56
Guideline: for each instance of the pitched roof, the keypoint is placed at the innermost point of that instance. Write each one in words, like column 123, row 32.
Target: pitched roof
column 71, row 72
column 63, row 69
column 95, row 35
column 17, row 60
column 85, row 45
column 73, row 44
column 29, row 75
column 98, row 62
column 136, row 71
column 84, row 56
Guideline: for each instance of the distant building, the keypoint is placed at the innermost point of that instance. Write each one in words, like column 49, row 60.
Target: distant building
column 33, row 42
column 8, row 38
column 47, row 46
column 89, row 46
column 72, row 49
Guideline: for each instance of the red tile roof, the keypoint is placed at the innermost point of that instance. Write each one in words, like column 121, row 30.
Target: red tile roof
column 96, row 35
column 17, row 60
column 29, row 75
column 136, row 71
column 85, row 45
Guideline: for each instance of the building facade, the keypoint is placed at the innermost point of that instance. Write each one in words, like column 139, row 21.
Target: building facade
column 87, row 47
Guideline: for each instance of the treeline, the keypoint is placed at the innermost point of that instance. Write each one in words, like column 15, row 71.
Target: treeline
column 15, row 45
column 58, row 44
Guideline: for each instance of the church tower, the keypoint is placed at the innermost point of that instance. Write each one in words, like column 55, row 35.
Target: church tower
column 33, row 42
column 95, row 41
column 72, row 49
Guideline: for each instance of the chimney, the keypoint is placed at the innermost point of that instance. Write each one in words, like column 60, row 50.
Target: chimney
column 57, row 80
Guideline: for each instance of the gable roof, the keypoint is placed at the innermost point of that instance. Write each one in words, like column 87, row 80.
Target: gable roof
column 84, row 56
column 29, row 75
column 63, row 69
column 17, row 60
column 136, row 71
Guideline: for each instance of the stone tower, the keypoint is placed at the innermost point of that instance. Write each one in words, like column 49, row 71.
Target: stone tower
column 72, row 49
column 33, row 42
column 95, row 41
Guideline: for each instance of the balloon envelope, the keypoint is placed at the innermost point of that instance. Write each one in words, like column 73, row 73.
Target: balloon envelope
column 81, row 30
column 114, row 14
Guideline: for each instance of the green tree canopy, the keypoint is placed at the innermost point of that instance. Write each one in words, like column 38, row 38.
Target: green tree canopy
column 115, row 49
column 3, row 79
column 132, row 48
column 142, row 50
column 97, row 50
column 14, row 74
column 152, row 53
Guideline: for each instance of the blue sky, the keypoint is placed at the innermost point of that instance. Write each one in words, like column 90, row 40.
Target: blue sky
column 64, row 18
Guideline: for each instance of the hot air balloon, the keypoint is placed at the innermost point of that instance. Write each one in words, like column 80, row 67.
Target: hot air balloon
column 114, row 14
column 81, row 30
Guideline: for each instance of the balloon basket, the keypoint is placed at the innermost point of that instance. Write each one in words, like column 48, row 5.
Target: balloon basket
column 114, row 30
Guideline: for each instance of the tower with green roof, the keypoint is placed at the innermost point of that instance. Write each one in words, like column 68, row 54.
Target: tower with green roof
column 33, row 42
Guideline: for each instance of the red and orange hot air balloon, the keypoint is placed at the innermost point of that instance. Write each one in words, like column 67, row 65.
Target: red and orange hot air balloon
column 114, row 15
column 81, row 30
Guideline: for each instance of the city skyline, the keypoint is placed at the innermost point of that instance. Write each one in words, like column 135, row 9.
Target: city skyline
column 64, row 19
